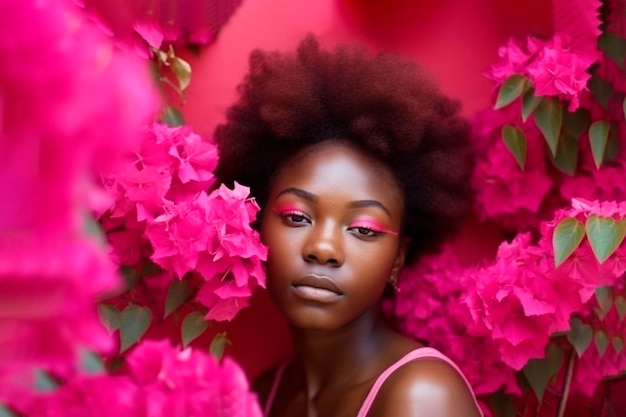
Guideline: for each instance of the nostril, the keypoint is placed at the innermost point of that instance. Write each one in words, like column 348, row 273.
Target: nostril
column 321, row 260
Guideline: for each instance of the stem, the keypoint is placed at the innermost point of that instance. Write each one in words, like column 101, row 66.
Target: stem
column 568, row 382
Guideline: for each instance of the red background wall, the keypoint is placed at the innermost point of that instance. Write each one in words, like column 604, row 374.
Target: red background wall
column 454, row 39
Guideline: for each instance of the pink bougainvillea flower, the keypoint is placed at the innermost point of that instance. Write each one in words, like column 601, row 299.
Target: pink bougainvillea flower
column 559, row 71
column 232, row 264
column 513, row 58
column 144, row 188
column 190, row 382
column 89, row 396
column 231, row 214
column 520, row 300
column 180, row 235
column 47, row 307
column 197, row 159
column 604, row 184
column 158, row 381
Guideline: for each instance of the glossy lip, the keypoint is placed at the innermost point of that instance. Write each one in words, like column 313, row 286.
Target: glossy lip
column 318, row 288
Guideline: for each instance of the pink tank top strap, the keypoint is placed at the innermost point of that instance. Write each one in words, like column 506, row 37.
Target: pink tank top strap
column 278, row 376
column 419, row 353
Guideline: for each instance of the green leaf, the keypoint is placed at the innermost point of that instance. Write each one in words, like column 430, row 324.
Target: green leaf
column 193, row 326
column 177, row 293
column 620, row 305
column 566, row 158
column 598, row 137
column 580, row 335
column 515, row 141
column 171, row 116
column 567, row 237
column 605, row 301
column 93, row 230
column 605, row 235
column 577, row 122
column 150, row 269
column 131, row 277
column 602, row 342
column 503, row 405
column 5, row 412
column 612, row 145
column 618, row 343
column 539, row 371
column 548, row 117
column 529, row 103
column 182, row 72
column 91, row 363
column 109, row 316
column 44, row 382
column 218, row 345
column 510, row 89
column 614, row 47
column 601, row 90
column 134, row 323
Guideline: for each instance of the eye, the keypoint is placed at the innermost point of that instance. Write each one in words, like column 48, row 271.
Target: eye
column 365, row 231
column 369, row 228
column 294, row 217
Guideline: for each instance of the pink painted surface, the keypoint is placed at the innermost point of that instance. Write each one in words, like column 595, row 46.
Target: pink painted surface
column 455, row 40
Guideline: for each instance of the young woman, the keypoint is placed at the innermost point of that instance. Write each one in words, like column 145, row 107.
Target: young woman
column 359, row 165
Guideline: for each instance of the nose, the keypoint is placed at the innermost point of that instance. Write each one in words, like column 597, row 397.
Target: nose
column 324, row 245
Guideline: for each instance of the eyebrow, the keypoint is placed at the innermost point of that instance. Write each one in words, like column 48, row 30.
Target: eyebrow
column 300, row 193
column 314, row 199
column 369, row 203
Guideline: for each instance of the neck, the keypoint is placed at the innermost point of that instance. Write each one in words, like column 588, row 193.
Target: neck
column 335, row 358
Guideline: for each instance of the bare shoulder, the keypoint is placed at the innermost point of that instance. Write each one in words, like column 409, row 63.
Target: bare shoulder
column 427, row 387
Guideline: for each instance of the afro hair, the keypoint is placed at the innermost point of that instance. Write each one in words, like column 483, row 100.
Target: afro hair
column 383, row 103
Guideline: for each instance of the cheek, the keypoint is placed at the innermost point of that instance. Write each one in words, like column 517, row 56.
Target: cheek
column 374, row 262
column 282, row 248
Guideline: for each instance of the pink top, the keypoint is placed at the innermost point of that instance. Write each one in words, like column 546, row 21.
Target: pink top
column 424, row 352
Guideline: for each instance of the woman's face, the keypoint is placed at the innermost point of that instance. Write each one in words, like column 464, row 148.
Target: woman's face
column 331, row 224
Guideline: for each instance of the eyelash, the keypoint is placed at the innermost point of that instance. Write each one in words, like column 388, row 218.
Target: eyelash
column 363, row 230
column 288, row 216
column 369, row 230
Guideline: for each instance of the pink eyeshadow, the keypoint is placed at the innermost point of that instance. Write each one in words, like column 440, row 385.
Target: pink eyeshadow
column 371, row 224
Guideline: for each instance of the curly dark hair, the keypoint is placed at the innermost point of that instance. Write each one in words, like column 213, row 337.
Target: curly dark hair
column 384, row 103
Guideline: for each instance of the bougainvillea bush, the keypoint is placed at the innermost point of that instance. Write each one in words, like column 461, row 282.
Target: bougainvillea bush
column 549, row 310
column 79, row 143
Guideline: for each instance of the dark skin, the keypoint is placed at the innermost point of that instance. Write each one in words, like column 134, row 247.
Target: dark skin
column 332, row 224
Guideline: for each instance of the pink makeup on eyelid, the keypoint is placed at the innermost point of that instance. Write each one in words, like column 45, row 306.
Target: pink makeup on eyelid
column 287, row 208
column 374, row 225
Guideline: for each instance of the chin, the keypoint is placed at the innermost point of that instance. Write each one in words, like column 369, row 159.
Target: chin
column 313, row 318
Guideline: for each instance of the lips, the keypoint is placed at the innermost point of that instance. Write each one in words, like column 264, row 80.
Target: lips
column 316, row 288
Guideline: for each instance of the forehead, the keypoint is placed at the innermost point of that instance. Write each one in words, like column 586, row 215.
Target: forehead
column 340, row 170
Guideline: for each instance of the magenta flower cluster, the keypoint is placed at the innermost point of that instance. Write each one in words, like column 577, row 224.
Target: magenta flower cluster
column 521, row 299
column 554, row 67
column 495, row 318
column 162, row 209
column 160, row 380
column 69, row 105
